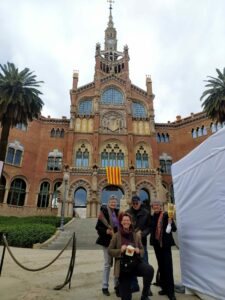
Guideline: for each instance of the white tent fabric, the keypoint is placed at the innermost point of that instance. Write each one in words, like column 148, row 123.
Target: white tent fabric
column 199, row 189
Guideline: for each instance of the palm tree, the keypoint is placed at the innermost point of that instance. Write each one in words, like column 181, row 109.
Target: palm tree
column 214, row 103
column 19, row 100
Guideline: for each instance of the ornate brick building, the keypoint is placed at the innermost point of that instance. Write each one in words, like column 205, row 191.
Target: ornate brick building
column 111, row 124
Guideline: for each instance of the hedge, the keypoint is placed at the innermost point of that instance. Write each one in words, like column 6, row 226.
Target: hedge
column 24, row 232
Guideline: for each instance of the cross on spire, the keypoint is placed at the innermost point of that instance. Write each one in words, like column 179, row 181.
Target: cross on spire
column 110, row 2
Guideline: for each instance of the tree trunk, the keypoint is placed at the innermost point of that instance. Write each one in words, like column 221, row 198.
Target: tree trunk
column 4, row 141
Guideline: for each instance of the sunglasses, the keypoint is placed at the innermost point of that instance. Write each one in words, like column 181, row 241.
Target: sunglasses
column 135, row 203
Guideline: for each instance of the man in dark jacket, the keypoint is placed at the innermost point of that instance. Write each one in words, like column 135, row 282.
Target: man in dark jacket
column 162, row 240
column 141, row 220
column 106, row 226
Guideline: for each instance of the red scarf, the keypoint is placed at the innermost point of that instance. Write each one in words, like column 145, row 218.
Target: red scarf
column 159, row 227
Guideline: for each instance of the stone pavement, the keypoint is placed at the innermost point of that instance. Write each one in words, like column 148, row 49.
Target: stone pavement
column 18, row 284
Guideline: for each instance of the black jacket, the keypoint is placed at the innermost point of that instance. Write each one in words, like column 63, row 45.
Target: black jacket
column 141, row 221
column 104, row 238
column 167, row 238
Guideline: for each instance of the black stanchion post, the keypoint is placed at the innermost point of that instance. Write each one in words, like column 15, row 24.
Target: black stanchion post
column 3, row 253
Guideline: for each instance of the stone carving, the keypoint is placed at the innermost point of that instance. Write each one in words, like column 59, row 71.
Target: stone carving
column 113, row 122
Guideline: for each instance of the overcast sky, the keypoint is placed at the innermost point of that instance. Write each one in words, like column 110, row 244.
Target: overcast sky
column 177, row 42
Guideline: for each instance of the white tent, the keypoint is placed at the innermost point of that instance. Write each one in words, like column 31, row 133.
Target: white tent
column 199, row 188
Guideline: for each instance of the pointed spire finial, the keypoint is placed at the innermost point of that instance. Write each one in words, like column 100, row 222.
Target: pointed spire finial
column 110, row 24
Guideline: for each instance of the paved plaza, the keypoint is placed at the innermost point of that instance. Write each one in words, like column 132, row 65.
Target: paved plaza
column 18, row 284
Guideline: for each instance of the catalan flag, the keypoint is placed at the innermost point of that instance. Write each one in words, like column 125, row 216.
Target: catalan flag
column 114, row 175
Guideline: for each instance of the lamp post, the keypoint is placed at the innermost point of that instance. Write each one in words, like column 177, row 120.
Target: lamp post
column 65, row 184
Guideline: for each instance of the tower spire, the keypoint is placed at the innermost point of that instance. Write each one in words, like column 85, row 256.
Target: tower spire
column 110, row 23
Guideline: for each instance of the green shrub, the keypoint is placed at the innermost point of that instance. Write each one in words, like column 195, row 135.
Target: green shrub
column 25, row 235
column 26, row 231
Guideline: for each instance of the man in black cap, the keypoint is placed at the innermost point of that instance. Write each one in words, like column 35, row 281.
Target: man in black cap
column 141, row 218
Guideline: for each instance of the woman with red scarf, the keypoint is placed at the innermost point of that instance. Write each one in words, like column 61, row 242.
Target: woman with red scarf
column 120, row 245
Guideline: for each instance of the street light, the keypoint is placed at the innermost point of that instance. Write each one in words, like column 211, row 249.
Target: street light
column 66, row 177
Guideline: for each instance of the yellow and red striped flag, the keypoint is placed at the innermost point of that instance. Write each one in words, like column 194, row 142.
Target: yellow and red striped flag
column 114, row 175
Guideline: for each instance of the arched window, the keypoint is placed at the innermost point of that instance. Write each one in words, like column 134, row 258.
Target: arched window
column 14, row 153
column 142, row 159
column 194, row 134
column 55, row 160
column 112, row 96
column 165, row 165
column 213, row 127
column 204, row 130
column 85, row 107
column 2, row 188
column 17, row 192
column 62, row 133
column 43, row 196
column 163, row 139
column 167, row 138
column 57, row 133
column 112, row 156
column 138, row 110
column 104, row 158
column 80, row 197
column 82, row 157
column 52, row 134
column 219, row 126
column 199, row 131
column 158, row 138
column 120, row 159
column 145, row 197
column 55, row 194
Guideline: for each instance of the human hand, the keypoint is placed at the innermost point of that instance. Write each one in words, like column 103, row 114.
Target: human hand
column 109, row 231
column 123, row 248
column 137, row 250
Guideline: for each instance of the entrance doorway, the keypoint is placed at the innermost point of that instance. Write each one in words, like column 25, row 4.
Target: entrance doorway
column 80, row 202
column 145, row 197
column 111, row 190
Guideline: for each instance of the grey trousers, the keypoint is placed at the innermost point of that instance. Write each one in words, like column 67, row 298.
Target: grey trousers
column 106, row 269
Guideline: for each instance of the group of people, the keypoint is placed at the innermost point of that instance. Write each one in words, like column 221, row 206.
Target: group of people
column 123, row 237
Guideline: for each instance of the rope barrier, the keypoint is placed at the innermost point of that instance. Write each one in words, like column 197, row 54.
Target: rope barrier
column 29, row 269
column 71, row 265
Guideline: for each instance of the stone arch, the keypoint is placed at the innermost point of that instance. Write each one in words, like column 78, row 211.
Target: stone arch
column 88, row 211
column 125, row 187
column 80, row 183
column 148, row 186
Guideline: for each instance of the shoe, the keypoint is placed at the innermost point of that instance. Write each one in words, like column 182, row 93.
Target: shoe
column 162, row 292
column 106, row 292
column 117, row 291
column 172, row 297
column 150, row 293
column 135, row 289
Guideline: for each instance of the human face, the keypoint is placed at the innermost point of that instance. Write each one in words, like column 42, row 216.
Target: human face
column 112, row 203
column 136, row 205
column 156, row 208
column 126, row 222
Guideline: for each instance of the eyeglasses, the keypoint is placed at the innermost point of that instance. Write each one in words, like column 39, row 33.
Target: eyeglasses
column 135, row 203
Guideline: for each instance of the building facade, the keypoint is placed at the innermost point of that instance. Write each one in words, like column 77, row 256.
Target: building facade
column 111, row 124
